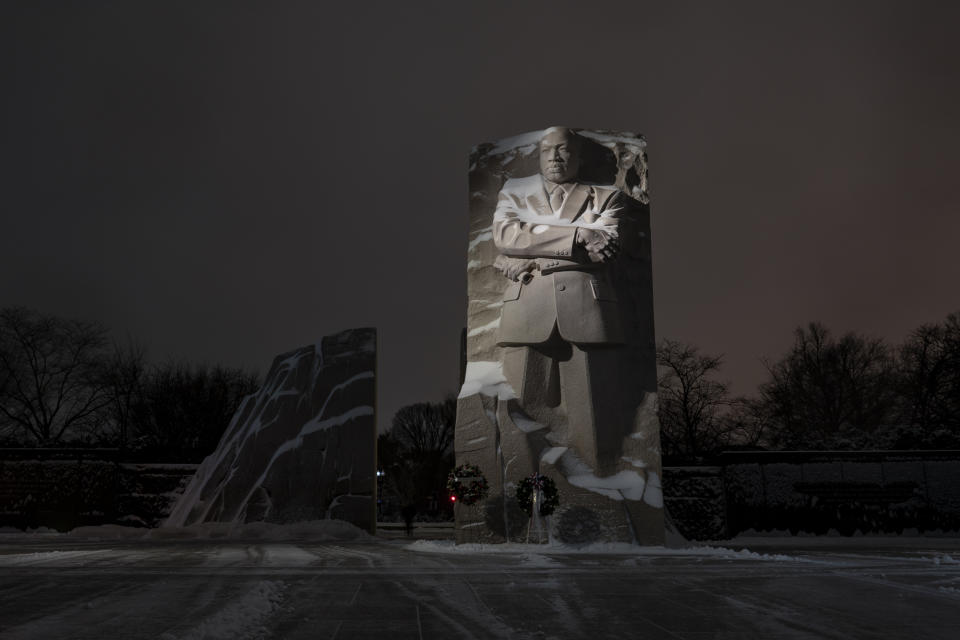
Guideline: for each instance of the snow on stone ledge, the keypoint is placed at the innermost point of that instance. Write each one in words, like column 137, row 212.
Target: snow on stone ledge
column 626, row 484
column 653, row 496
column 525, row 424
column 486, row 377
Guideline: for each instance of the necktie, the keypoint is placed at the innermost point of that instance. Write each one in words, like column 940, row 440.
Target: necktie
column 556, row 199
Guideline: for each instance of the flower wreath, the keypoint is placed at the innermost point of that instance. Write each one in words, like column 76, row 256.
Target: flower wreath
column 467, row 484
column 550, row 497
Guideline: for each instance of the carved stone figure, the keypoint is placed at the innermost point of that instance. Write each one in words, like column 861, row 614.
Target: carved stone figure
column 563, row 382
column 561, row 312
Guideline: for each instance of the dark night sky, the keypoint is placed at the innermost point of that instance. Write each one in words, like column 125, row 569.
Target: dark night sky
column 227, row 183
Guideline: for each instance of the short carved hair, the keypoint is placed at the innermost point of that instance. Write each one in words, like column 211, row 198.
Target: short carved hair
column 572, row 134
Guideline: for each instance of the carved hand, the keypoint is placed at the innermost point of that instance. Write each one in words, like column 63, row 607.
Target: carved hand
column 519, row 267
column 601, row 245
column 515, row 269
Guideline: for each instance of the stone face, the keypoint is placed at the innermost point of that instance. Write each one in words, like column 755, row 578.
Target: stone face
column 561, row 357
column 302, row 448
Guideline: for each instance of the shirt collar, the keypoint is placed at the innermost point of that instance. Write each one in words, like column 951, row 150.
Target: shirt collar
column 549, row 186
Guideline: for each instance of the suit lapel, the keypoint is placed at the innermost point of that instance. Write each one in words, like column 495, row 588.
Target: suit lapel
column 573, row 205
column 540, row 201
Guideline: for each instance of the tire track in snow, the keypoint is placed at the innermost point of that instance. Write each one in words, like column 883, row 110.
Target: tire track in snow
column 242, row 618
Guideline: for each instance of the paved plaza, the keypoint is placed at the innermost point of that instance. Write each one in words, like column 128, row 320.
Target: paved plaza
column 68, row 587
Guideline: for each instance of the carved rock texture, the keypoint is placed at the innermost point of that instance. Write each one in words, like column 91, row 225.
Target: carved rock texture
column 614, row 495
column 302, row 448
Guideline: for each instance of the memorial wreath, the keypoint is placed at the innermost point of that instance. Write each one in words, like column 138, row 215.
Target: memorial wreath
column 467, row 484
column 549, row 496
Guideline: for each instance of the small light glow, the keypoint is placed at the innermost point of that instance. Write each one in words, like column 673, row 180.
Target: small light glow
column 453, row 498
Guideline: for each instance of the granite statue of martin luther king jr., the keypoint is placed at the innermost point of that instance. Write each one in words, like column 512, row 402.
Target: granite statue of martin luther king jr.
column 561, row 323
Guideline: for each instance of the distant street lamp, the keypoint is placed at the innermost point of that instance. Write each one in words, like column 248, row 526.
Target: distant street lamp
column 380, row 476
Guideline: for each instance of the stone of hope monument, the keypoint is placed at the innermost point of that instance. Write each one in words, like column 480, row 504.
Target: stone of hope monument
column 559, row 397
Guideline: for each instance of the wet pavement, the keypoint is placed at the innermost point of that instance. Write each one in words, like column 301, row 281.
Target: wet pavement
column 60, row 587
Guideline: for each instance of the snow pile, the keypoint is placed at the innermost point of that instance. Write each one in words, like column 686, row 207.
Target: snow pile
column 533, row 555
column 746, row 554
column 310, row 531
column 627, row 484
column 42, row 531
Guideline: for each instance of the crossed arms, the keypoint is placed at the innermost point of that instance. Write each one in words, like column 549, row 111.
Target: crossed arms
column 519, row 232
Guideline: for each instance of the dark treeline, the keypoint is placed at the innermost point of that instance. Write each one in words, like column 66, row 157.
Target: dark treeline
column 63, row 383
column 416, row 455
column 851, row 392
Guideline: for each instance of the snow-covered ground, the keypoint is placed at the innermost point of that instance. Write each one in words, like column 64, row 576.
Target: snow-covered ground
column 329, row 580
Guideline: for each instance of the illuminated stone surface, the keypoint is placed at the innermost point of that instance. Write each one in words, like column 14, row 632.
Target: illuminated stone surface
column 561, row 355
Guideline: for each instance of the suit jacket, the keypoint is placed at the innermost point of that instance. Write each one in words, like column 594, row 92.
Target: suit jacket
column 569, row 291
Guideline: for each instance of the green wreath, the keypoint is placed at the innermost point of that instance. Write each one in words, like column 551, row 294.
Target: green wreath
column 467, row 484
column 550, row 497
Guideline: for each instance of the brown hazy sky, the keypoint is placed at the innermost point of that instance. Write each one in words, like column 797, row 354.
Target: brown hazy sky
column 226, row 181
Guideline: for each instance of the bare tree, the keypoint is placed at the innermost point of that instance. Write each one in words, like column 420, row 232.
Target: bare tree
column 125, row 376
column 426, row 427
column 184, row 410
column 830, row 393
column 749, row 423
column 929, row 386
column 51, row 375
column 692, row 404
column 419, row 449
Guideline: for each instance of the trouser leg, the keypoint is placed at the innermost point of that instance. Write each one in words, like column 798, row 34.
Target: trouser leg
column 534, row 372
column 592, row 399
column 578, row 392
